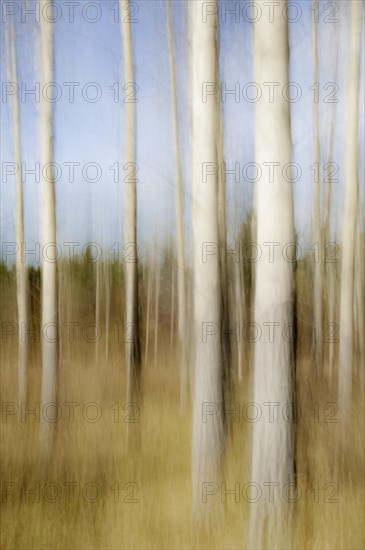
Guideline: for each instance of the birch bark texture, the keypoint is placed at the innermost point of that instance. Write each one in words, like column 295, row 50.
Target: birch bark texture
column 49, row 290
column 133, row 357
column 207, row 436
column 273, row 378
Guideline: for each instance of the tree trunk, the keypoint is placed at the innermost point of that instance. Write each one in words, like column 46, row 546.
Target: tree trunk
column 273, row 442
column 133, row 360
column 349, row 219
column 207, row 437
column 179, row 207
column 21, row 268
column 330, row 268
column 148, row 309
column 49, row 298
column 316, row 221
column 157, row 309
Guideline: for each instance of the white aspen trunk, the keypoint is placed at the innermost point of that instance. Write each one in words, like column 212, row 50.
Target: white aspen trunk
column 207, row 437
column 179, row 209
column 316, row 221
column 21, row 268
column 49, row 298
column 273, row 442
column 349, row 219
column 130, row 228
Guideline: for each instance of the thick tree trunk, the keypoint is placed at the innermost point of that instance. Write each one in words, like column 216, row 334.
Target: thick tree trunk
column 49, row 296
column 349, row 219
column 207, row 437
column 273, row 442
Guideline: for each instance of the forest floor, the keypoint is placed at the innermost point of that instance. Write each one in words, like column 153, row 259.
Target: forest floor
column 94, row 493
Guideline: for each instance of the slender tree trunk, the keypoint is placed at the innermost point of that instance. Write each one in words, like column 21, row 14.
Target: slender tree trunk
column 172, row 310
column 222, row 241
column 49, row 297
column 157, row 310
column 330, row 268
column 273, row 442
column 97, row 310
column 239, row 305
column 148, row 310
column 349, row 220
column 133, row 359
column 179, row 207
column 316, row 220
column 21, row 268
column 359, row 299
column 207, row 437
column 107, row 281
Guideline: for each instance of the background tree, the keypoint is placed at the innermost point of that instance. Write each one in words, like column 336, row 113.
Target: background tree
column 180, row 237
column 21, row 268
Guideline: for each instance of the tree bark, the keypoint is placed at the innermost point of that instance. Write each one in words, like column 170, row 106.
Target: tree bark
column 179, row 209
column 49, row 291
column 207, row 437
column 133, row 358
column 21, row 268
column 273, row 442
column 349, row 220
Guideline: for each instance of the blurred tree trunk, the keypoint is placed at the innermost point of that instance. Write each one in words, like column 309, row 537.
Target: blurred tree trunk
column 274, row 371
column 21, row 268
column 97, row 310
column 107, row 281
column 157, row 299
column 222, row 242
column 207, row 437
column 359, row 298
column 316, row 221
column 148, row 310
column 132, row 345
column 349, row 219
column 179, row 207
column 329, row 267
column 49, row 291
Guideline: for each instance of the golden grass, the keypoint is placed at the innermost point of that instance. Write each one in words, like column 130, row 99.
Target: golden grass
column 160, row 465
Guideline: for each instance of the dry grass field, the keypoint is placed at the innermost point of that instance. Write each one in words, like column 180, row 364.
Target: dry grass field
column 94, row 493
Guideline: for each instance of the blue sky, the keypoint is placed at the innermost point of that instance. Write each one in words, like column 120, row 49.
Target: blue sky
column 94, row 132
